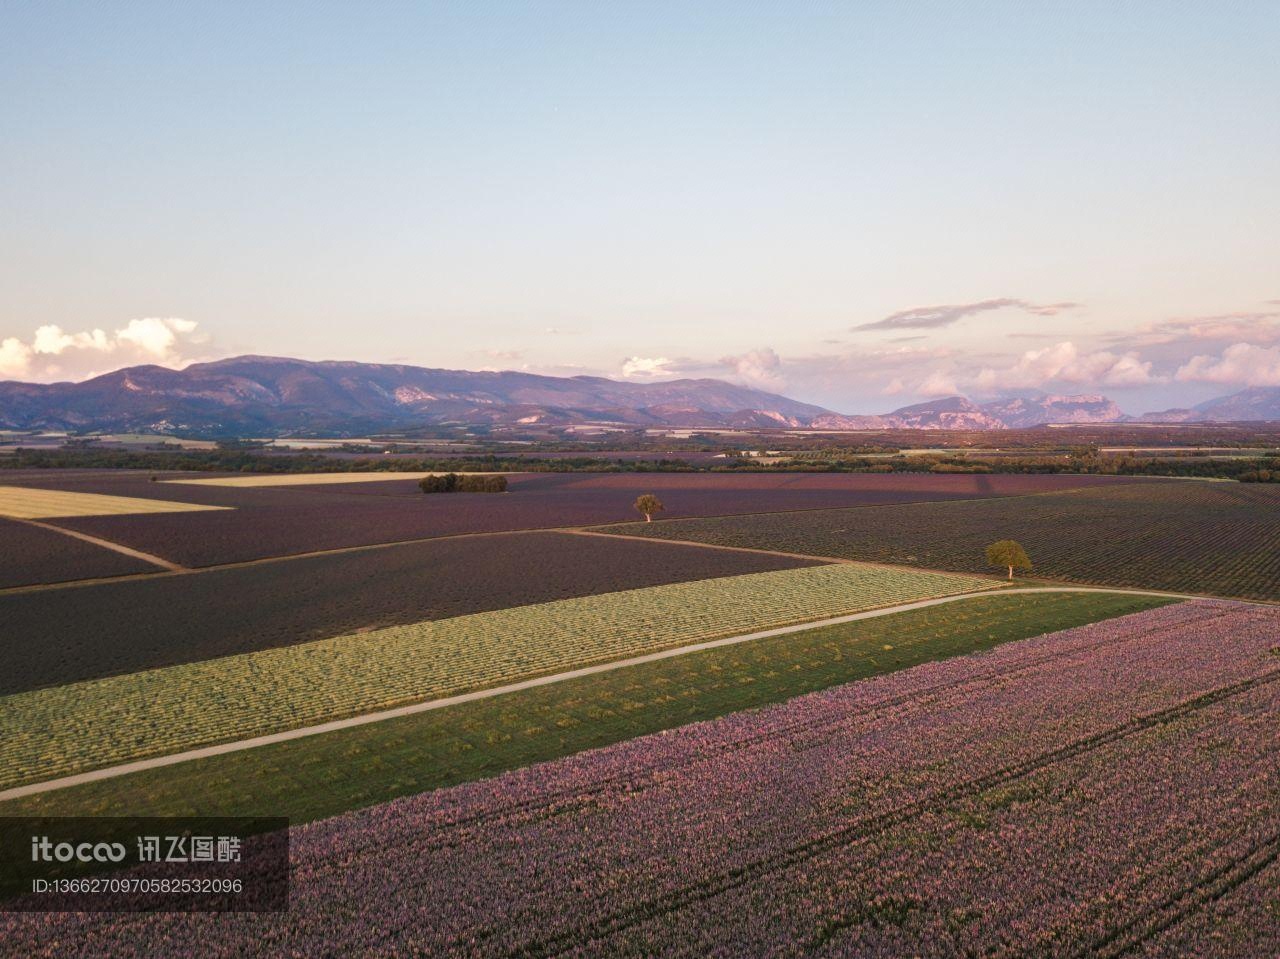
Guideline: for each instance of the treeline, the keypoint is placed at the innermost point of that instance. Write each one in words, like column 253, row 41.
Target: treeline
column 1264, row 469
column 463, row 483
column 257, row 461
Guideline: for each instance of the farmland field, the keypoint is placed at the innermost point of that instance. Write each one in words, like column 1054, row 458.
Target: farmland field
column 25, row 502
column 327, row 774
column 1107, row 790
column 32, row 555
column 91, row 631
column 281, row 520
column 65, row 729
column 1198, row 537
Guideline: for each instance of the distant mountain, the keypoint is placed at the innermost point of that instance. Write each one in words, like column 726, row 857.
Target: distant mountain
column 1039, row 408
column 261, row 395
column 270, row 396
column 960, row 413
column 1252, row 404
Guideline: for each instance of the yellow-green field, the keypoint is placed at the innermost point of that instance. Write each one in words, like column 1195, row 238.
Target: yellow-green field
column 309, row 479
column 48, row 733
column 20, row 502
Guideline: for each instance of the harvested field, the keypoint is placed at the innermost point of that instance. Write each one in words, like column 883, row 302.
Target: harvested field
column 58, row 731
column 88, row 632
column 1196, row 537
column 1104, row 791
column 277, row 521
column 323, row 775
column 30, row 555
column 25, row 502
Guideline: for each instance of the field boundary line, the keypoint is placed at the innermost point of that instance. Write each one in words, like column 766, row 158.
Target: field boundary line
column 219, row 749
column 104, row 544
column 176, row 569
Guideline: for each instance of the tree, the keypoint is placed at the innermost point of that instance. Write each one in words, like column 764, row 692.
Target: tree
column 1008, row 553
column 649, row 504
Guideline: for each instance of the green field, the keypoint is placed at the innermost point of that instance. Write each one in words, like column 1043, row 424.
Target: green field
column 57, row 731
column 1215, row 538
column 323, row 775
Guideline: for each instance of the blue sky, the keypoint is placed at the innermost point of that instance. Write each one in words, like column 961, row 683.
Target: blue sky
column 1071, row 197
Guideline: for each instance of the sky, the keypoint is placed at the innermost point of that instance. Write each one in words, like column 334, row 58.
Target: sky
column 861, row 205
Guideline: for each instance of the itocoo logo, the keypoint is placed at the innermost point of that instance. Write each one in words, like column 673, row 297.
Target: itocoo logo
column 42, row 850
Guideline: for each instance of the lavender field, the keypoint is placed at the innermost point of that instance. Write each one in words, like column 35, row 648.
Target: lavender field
column 1108, row 790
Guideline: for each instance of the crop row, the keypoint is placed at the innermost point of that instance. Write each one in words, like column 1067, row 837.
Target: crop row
column 56, row 731
column 29, row 555
column 112, row 628
column 323, row 775
column 1200, row 537
column 1090, row 792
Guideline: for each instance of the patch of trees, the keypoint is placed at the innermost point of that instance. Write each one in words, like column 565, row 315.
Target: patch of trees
column 463, row 483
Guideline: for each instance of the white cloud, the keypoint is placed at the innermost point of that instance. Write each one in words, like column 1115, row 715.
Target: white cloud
column 759, row 368
column 164, row 340
column 15, row 357
column 154, row 336
column 893, row 387
column 640, row 367
column 1241, row 364
column 52, row 340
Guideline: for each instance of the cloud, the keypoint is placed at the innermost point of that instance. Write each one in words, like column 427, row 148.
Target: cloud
column 1261, row 326
column 15, row 357
column 640, row 367
column 893, row 387
column 1243, row 364
column 508, row 355
column 933, row 317
column 938, row 384
column 760, row 368
column 1064, row 363
column 163, row 340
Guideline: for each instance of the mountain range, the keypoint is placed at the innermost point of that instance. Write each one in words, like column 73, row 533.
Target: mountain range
column 270, row 396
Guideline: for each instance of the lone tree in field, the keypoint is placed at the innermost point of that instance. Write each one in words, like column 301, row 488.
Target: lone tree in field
column 649, row 504
column 1008, row 553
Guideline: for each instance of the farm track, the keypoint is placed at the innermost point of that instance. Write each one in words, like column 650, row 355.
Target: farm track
column 95, row 541
column 1130, row 936
column 880, row 823
column 155, row 762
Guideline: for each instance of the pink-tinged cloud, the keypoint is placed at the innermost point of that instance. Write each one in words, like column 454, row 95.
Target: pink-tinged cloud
column 1065, row 363
column 1261, row 326
column 760, row 368
column 933, row 317
column 1242, row 364
column 938, row 384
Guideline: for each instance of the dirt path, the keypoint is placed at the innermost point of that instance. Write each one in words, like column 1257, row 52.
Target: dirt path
column 221, row 749
column 104, row 543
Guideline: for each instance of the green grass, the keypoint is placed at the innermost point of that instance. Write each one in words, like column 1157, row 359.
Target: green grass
column 324, row 775
column 58, row 731
column 1220, row 539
